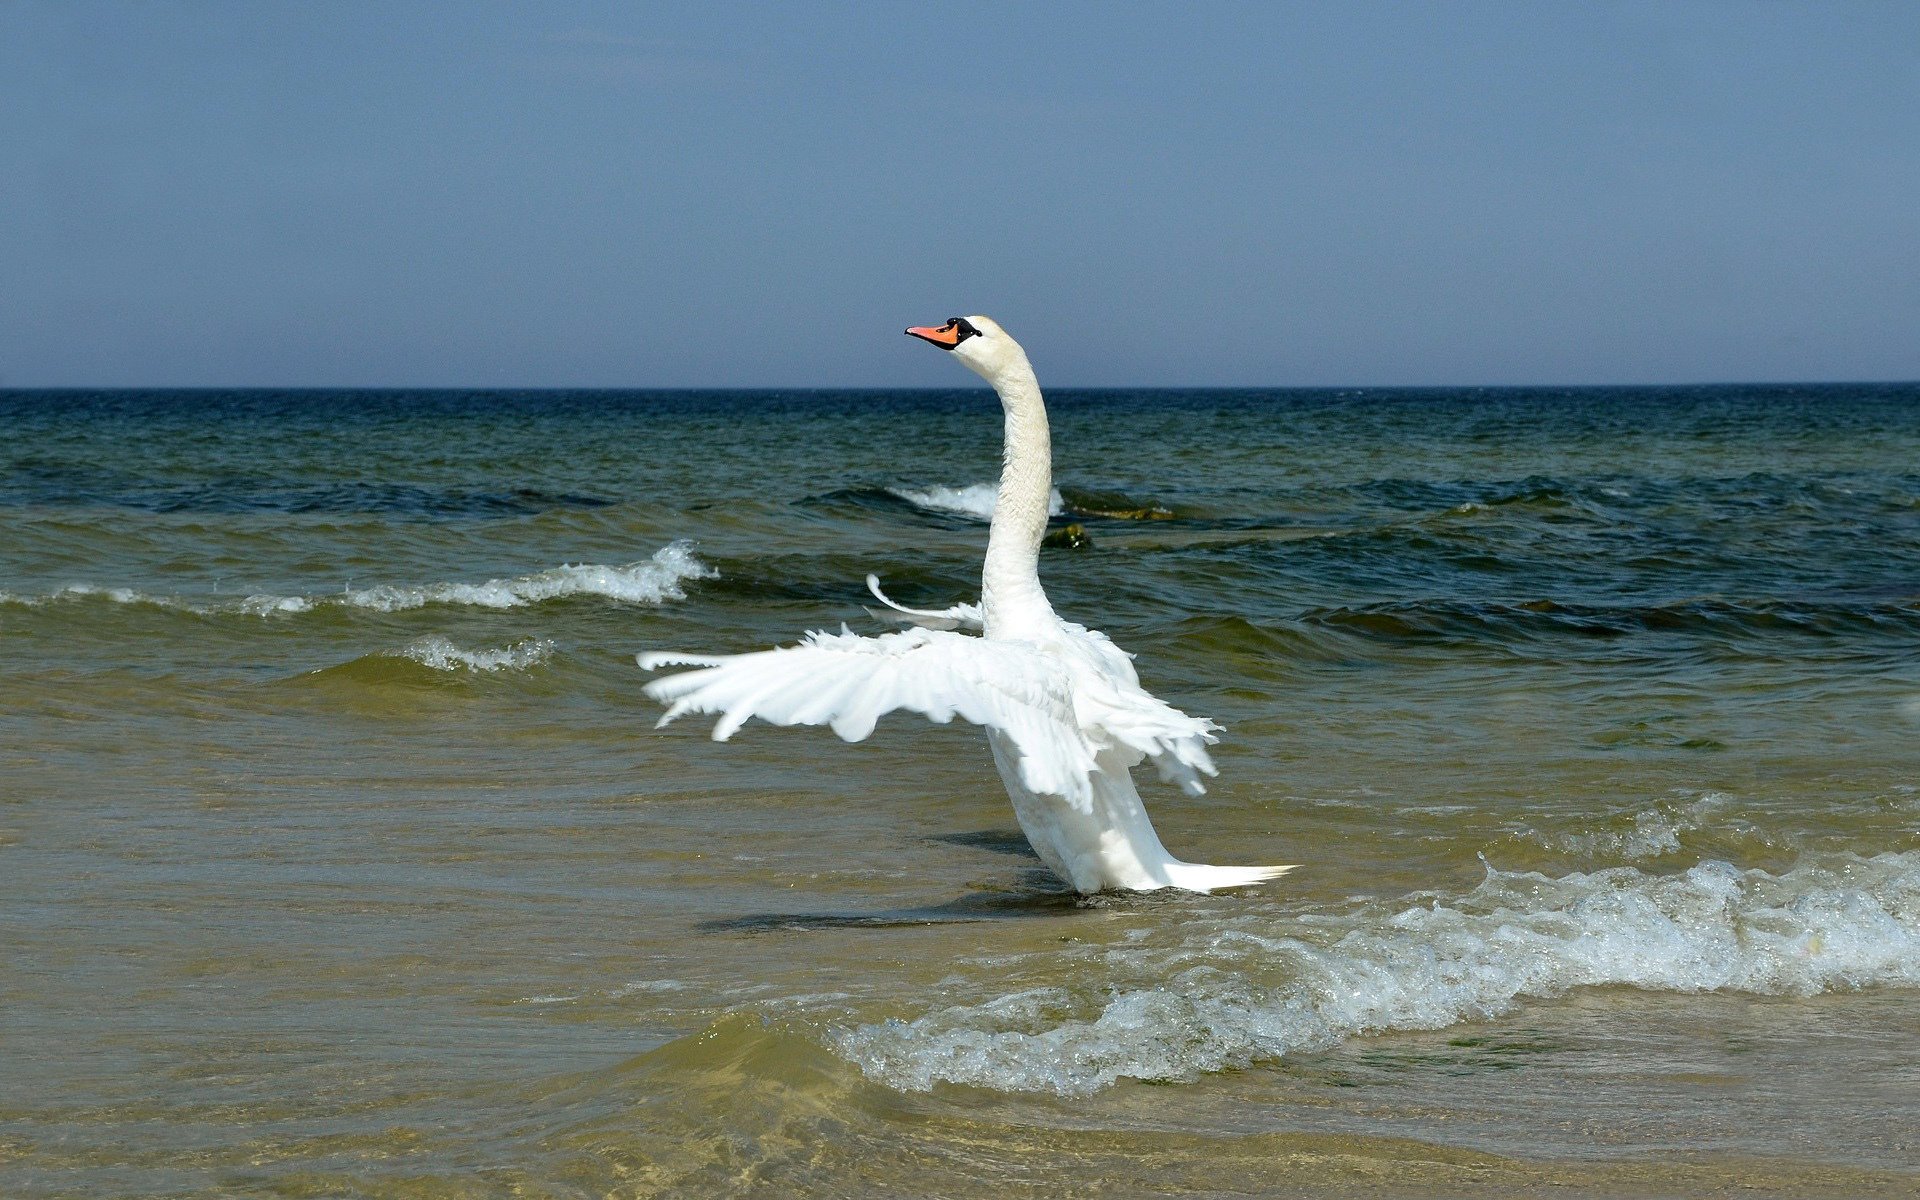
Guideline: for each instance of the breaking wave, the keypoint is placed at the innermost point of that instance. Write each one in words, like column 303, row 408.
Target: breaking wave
column 442, row 655
column 1252, row 988
column 973, row 500
column 648, row 582
column 651, row 581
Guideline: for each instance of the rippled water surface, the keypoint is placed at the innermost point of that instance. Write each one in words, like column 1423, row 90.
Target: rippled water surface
column 340, row 855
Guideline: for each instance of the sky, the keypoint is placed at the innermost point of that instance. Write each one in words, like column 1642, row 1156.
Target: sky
column 741, row 194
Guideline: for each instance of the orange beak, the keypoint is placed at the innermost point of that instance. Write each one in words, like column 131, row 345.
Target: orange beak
column 946, row 337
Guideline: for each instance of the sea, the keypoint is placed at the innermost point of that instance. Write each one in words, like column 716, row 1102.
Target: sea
column 340, row 855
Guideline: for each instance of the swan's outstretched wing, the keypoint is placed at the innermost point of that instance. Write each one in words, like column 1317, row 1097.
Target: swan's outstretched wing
column 847, row 683
column 1111, row 700
column 1176, row 742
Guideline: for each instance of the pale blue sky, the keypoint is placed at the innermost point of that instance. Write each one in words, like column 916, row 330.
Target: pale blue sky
column 737, row 194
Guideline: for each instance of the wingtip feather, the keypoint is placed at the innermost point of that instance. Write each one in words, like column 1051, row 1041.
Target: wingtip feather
column 653, row 660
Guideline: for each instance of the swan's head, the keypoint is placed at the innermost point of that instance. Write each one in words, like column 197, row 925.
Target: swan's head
column 976, row 341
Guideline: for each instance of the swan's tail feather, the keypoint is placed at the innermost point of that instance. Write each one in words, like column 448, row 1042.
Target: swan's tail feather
column 1198, row 877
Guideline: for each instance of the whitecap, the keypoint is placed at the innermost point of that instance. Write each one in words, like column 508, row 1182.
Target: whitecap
column 442, row 655
column 1228, row 993
column 653, row 580
column 261, row 605
column 975, row 500
column 650, row 581
column 82, row 591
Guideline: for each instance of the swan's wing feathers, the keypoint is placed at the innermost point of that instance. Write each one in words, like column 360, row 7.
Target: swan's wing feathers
column 653, row 660
column 1176, row 742
column 1098, row 653
column 848, row 683
column 1111, row 700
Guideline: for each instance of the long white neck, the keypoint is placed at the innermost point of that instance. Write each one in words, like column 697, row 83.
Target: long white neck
column 1011, row 599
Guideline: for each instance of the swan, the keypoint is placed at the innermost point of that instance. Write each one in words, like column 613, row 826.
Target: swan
column 1065, row 714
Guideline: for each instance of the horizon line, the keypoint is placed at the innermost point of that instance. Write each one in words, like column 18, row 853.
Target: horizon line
column 935, row 388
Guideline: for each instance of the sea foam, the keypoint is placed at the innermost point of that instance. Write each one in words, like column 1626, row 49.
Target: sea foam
column 442, row 655
column 975, row 500
column 1233, row 992
column 648, row 582
column 652, row 580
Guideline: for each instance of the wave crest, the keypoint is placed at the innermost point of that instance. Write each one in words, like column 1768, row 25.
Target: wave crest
column 442, row 655
column 648, row 582
column 974, row 500
column 1243, row 993
column 652, row 580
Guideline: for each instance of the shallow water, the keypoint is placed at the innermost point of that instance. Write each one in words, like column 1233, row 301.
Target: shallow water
column 341, row 857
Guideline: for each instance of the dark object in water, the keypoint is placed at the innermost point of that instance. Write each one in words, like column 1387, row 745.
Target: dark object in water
column 1114, row 506
column 1069, row 537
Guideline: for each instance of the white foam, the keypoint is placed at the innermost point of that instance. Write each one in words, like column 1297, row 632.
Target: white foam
column 260, row 606
column 648, row 582
column 442, row 655
column 651, row 581
column 118, row 595
column 975, row 500
column 1234, row 991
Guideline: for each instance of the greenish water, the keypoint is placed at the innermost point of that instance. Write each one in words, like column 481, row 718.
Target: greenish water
column 340, row 856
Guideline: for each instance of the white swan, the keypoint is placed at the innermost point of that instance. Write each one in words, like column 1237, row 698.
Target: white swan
column 1063, row 708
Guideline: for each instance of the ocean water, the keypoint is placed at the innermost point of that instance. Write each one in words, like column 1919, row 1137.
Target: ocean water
column 340, row 856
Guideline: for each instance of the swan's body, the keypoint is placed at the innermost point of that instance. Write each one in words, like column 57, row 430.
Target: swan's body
column 1064, row 711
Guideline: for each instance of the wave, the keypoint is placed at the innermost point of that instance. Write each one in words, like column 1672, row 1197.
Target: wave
column 442, row 655
column 1227, row 994
column 42, row 484
column 1260, row 646
column 1707, row 824
column 651, row 581
column 1649, row 833
column 429, row 662
column 1431, row 620
column 1116, row 506
column 974, row 500
column 647, row 582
